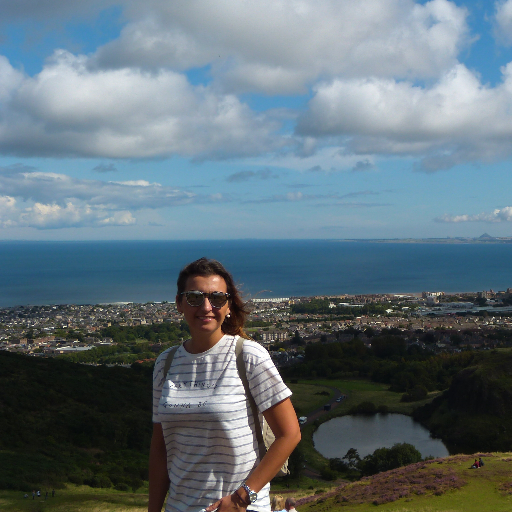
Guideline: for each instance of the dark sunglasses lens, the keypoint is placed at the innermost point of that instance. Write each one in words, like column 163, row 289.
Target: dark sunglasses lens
column 194, row 298
column 218, row 299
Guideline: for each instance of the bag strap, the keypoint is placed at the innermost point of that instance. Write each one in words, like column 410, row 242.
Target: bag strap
column 169, row 358
column 240, row 365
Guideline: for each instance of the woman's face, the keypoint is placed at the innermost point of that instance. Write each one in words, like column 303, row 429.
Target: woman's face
column 204, row 320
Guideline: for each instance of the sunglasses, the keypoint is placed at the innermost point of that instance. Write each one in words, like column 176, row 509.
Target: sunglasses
column 196, row 298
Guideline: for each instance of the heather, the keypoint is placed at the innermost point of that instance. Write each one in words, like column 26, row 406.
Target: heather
column 433, row 485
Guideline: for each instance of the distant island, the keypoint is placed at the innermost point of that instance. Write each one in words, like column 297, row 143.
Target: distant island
column 482, row 239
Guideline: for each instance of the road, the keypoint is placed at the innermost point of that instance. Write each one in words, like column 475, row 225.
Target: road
column 308, row 470
column 321, row 411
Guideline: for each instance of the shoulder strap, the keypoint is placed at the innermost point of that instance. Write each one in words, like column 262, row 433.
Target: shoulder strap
column 169, row 358
column 240, row 365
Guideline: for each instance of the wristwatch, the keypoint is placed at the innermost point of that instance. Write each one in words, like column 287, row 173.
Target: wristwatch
column 252, row 495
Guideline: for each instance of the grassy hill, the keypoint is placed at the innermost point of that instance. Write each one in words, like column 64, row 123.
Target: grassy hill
column 440, row 485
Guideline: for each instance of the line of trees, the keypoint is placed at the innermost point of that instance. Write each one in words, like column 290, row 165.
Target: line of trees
column 388, row 361
column 382, row 459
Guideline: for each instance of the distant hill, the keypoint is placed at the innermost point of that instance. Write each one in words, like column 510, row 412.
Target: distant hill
column 475, row 413
column 61, row 421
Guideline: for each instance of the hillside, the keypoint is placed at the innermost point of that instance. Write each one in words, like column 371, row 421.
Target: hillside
column 475, row 413
column 438, row 485
column 61, row 422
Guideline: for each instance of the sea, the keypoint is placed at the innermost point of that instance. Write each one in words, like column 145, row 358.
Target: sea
column 38, row 273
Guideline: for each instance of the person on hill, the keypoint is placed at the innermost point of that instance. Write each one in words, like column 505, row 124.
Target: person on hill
column 277, row 504
column 204, row 450
column 475, row 465
column 290, row 505
column 480, row 462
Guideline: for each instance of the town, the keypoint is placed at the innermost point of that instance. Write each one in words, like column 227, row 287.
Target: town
column 441, row 321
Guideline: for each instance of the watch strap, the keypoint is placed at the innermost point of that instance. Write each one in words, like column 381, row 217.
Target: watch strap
column 251, row 495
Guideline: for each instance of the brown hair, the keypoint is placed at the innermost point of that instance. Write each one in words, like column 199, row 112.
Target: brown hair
column 290, row 503
column 237, row 307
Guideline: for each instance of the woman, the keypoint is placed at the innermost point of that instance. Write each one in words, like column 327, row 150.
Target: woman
column 203, row 449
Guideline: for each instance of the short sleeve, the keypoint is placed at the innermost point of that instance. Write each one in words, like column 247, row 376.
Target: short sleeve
column 265, row 382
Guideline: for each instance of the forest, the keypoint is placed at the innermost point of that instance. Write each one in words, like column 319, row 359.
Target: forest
column 64, row 422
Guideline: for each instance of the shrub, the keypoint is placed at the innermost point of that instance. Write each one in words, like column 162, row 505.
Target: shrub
column 384, row 459
column 415, row 394
column 364, row 408
column 328, row 474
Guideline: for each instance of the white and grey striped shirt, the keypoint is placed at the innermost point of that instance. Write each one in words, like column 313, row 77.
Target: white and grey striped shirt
column 207, row 422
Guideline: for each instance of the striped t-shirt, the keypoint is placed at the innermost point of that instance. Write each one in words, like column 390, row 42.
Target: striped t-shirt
column 207, row 421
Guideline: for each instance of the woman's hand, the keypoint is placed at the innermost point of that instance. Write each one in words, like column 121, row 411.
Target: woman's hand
column 231, row 503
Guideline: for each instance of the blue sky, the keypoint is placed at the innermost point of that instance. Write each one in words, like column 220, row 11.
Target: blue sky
column 272, row 119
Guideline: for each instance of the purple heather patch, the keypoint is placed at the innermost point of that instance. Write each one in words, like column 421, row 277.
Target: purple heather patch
column 415, row 479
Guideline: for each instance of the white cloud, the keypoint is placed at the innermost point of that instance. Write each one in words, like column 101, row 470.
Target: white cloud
column 503, row 21
column 365, row 61
column 279, row 47
column 54, row 216
column 69, row 109
column 49, row 188
column 50, row 201
column 7, row 210
column 453, row 121
column 498, row 215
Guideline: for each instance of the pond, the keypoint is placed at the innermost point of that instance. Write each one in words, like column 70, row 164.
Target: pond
column 366, row 433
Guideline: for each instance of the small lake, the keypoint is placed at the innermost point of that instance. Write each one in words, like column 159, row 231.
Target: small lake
column 366, row 433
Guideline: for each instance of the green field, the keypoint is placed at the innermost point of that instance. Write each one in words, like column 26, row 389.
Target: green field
column 75, row 499
column 306, row 396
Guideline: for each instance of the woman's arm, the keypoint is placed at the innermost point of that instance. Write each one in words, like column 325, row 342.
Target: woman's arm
column 158, row 476
column 283, row 422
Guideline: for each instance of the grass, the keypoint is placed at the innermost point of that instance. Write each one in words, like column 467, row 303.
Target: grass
column 358, row 391
column 306, row 399
column 442, row 485
column 75, row 499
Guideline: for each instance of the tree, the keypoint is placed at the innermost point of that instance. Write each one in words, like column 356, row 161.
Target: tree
column 352, row 458
column 456, row 339
column 369, row 331
column 297, row 340
column 296, row 462
column 416, row 393
column 384, row 459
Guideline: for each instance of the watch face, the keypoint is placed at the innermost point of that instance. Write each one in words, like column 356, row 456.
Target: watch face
column 252, row 495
